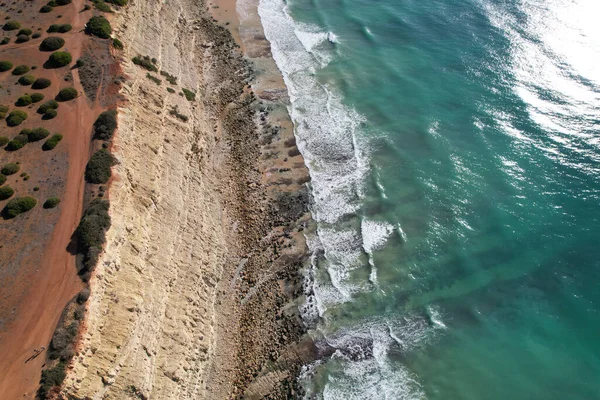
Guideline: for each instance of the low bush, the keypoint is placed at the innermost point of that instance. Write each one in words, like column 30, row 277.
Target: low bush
column 98, row 168
column 51, row 377
column 62, row 2
column 24, row 101
column 64, row 28
column 118, row 2
column 17, row 143
column 50, row 114
column 51, row 202
column 22, row 39
column 3, row 141
column 83, row 296
column 145, row 62
column 34, row 135
column 36, row 97
column 16, row 117
column 52, row 43
column 25, row 31
column 36, row 35
column 117, row 44
column 66, row 94
column 3, row 111
column 102, row 6
column 153, row 78
column 98, row 26
column 48, row 105
column 10, row 169
column 170, row 78
column 105, row 125
column 52, row 142
column 46, row 9
column 26, row 80
column 91, row 233
column 18, row 206
column 5, row 66
column 5, row 40
column 191, row 96
column 20, row 70
column 175, row 112
column 2, row 179
column 11, row 26
column 6, row 192
column 59, row 59
column 41, row 83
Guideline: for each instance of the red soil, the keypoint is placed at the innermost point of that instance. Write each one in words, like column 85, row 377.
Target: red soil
column 45, row 280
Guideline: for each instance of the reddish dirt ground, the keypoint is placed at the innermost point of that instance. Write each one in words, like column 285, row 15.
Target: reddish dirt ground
column 37, row 273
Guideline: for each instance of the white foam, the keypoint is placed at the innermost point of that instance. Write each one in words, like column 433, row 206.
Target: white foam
column 375, row 234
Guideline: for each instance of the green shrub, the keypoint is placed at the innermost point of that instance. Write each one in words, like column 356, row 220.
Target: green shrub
column 51, row 202
column 52, row 3
column 91, row 233
column 24, row 101
column 10, row 169
column 191, row 96
column 6, row 192
column 41, row 83
column 46, row 9
column 20, row 70
column 5, row 66
column 11, row 26
column 22, row 39
column 48, row 105
column 153, row 78
column 50, row 114
column 83, row 296
column 3, row 111
column 25, row 31
column 2, row 179
column 64, row 28
column 17, row 143
column 52, row 142
column 175, row 112
column 36, row 97
column 98, row 167
column 26, row 80
column 102, row 6
column 98, row 26
column 118, row 2
column 16, row 117
column 5, row 40
column 3, row 141
column 117, row 44
column 62, row 2
column 36, row 35
column 66, row 94
column 59, row 59
column 105, row 125
column 145, row 62
column 172, row 79
column 170, row 90
column 34, row 135
column 50, row 378
column 52, row 43
column 18, row 206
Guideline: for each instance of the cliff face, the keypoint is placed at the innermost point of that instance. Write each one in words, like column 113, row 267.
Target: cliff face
column 150, row 317
column 195, row 294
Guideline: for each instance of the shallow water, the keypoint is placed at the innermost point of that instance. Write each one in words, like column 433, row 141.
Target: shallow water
column 455, row 160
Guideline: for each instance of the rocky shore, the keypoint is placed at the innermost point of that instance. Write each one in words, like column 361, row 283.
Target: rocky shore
column 196, row 294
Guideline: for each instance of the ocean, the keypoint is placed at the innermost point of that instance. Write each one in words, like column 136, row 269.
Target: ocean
column 454, row 150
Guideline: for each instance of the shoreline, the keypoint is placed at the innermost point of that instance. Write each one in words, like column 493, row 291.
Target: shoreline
column 196, row 294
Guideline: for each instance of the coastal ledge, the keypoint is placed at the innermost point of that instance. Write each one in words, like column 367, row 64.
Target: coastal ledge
column 195, row 295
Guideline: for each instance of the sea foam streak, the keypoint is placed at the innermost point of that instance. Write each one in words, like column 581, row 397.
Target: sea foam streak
column 328, row 136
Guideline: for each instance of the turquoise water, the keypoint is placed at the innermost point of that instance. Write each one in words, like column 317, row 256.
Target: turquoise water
column 454, row 148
